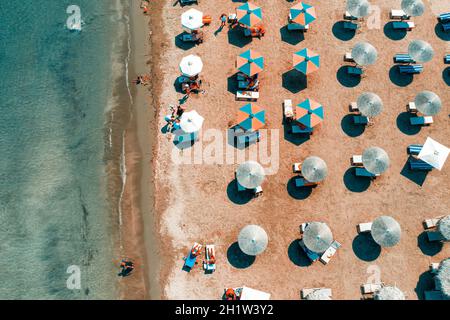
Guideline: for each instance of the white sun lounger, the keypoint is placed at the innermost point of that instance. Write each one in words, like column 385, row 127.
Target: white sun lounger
column 288, row 110
column 303, row 227
column 258, row 191
column 398, row 14
column 430, row 223
column 348, row 16
column 353, row 107
column 356, row 160
column 364, row 227
column 370, row 287
column 330, row 252
column 411, row 107
column 209, row 253
column 434, row 266
column 305, row 292
column 348, row 57
column 297, row 167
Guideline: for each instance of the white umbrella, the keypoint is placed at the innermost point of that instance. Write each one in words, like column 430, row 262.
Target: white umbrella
column 191, row 65
column 358, row 8
column 443, row 227
column 386, row 231
column 420, row 51
column 389, row 293
column 428, row 103
column 413, row 7
column 317, row 237
column 375, row 160
column 314, row 169
column 434, row 153
column 252, row 240
column 191, row 121
column 364, row 53
column 192, row 20
column 250, row 174
column 369, row 104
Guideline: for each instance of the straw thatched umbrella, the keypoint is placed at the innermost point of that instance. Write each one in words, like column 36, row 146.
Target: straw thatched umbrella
column 434, row 153
column 192, row 20
column 317, row 295
column 443, row 278
column 252, row 240
column 420, row 51
column 369, row 104
column 386, row 231
column 375, row 160
column 317, row 237
column 364, row 53
column 389, row 293
column 250, row 174
column 314, row 169
column 428, row 103
column 444, row 227
column 413, row 8
column 191, row 121
column 191, row 65
column 358, row 8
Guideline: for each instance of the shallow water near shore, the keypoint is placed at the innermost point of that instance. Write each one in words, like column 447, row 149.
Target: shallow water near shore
column 55, row 86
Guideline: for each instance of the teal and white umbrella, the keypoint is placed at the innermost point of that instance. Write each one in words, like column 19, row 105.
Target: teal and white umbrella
column 253, row 240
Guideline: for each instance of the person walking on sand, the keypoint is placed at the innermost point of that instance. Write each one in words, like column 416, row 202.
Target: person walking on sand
column 223, row 20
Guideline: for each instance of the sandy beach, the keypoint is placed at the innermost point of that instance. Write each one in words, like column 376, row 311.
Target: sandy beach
column 199, row 202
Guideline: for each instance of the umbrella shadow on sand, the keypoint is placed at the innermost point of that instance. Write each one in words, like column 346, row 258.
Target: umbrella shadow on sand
column 236, row 37
column 297, row 255
column 237, row 258
column 393, row 34
column 400, row 79
column 428, row 248
column 294, row 81
column 365, row 248
column 354, row 183
column 295, row 138
column 441, row 33
column 341, row 33
column 232, row 83
column 298, row 193
column 238, row 197
column 446, row 76
column 291, row 37
column 404, row 124
column 349, row 127
column 418, row 177
column 425, row 283
column 347, row 80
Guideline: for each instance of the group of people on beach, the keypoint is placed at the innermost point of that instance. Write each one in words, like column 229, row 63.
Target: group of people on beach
column 173, row 120
column 144, row 80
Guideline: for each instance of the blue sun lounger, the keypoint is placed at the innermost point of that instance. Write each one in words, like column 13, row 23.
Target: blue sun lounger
column 402, row 25
column 411, row 68
column 417, row 164
column 354, row 71
column 447, row 58
column 403, row 58
column 302, row 182
column 362, row 172
column 248, row 138
column 446, row 26
column 444, row 17
column 414, row 149
column 184, row 2
column 296, row 129
column 421, row 121
column 350, row 25
column 360, row 120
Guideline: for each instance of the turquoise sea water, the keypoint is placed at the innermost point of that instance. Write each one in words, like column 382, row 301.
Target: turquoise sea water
column 54, row 87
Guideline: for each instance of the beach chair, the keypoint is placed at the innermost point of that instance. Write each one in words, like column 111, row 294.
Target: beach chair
column 353, row 107
column 192, row 37
column 354, row 71
column 411, row 107
column 360, row 120
column 434, row 267
column 348, row 16
column 398, row 14
column 189, row 262
column 403, row 58
column 258, row 191
column 421, row 121
column 403, row 25
column 350, row 26
column 348, row 57
column 444, row 17
column 186, row 138
column 185, row 2
column 257, row 34
column 303, row 227
column 297, row 27
column 364, row 227
column 433, row 295
column 356, row 160
column 248, row 138
column 411, row 68
column 210, row 263
column 302, row 182
column 297, row 129
column 330, row 252
column 297, row 167
column 419, row 165
column 362, row 172
column 305, row 292
column 434, row 236
column 447, row 58
column 430, row 223
column 446, row 26
column 368, row 288
column 247, row 95
column 311, row 255
column 414, row 149
column 288, row 110
column 232, row 18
